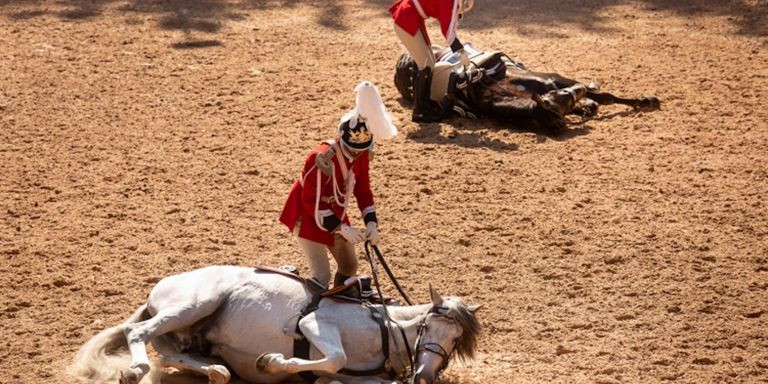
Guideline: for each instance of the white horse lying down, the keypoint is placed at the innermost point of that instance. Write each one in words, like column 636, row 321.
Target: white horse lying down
column 245, row 320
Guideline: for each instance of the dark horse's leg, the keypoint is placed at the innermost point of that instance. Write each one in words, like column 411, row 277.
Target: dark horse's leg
column 648, row 103
column 556, row 92
column 541, row 82
column 548, row 81
column 525, row 109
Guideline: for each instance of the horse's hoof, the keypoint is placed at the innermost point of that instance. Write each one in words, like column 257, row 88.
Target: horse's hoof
column 586, row 108
column 218, row 374
column 650, row 103
column 131, row 375
column 593, row 86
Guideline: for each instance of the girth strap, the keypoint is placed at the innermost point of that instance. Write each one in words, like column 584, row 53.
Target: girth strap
column 301, row 346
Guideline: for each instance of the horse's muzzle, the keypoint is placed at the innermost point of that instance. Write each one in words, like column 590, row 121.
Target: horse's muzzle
column 422, row 379
column 423, row 376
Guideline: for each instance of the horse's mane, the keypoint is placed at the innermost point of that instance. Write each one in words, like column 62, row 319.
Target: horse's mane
column 458, row 310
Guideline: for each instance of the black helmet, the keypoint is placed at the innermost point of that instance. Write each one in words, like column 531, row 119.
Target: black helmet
column 354, row 134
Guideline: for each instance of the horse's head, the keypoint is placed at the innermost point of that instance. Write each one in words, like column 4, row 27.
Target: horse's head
column 449, row 327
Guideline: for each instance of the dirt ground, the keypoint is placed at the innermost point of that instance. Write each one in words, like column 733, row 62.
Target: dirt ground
column 143, row 138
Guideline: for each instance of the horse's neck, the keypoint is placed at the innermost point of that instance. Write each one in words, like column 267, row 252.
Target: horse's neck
column 408, row 318
column 409, row 312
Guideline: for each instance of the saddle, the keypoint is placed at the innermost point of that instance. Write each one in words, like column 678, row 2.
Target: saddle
column 489, row 65
column 367, row 294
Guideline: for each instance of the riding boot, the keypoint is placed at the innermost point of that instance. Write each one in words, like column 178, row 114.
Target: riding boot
column 352, row 290
column 423, row 109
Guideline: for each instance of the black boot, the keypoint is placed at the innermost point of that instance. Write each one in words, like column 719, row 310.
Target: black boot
column 423, row 109
column 349, row 291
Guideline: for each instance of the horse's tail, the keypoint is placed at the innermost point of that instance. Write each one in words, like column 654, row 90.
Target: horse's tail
column 102, row 357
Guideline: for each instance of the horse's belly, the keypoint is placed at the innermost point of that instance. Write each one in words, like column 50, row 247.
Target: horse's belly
column 252, row 322
column 244, row 365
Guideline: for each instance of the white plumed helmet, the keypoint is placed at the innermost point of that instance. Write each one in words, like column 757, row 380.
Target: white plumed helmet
column 372, row 111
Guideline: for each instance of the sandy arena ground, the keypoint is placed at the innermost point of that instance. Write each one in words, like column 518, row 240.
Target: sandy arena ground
column 143, row 138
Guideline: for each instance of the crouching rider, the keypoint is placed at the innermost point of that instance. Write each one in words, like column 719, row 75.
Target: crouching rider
column 409, row 15
column 316, row 208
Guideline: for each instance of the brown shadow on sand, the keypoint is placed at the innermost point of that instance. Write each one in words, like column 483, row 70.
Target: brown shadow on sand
column 527, row 16
column 207, row 16
column 543, row 17
column 434, row 133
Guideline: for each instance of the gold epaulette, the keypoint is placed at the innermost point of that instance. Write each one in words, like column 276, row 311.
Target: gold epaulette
column 324, row 161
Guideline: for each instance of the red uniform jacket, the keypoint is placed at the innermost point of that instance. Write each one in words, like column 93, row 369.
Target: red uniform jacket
column 408, row 15
column 322, row 210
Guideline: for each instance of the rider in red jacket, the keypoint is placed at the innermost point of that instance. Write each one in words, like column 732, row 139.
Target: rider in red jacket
column 409, row 16
column 317, row 205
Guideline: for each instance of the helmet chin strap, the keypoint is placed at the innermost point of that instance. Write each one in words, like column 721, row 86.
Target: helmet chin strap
column 345, row 151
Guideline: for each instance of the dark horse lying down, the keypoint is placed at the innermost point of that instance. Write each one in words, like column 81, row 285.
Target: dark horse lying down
column 501, row 88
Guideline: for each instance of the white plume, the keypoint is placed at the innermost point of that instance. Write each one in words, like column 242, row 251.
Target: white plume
column 373, row 110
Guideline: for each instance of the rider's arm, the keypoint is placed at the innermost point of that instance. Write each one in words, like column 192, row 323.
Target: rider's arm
column 362, row 190
column 449, row 22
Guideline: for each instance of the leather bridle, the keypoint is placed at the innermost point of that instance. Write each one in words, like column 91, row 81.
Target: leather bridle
column 432, row 347
column 417, row 346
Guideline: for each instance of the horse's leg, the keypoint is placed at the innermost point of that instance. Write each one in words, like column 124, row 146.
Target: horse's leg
column 563, row 100
column 586, row 107
column 217, row 374
column 530, row 83
column 166, row 320
column 558, row 80
column 327, row 341
column 522, row 108
column 593, row 91
column 644, row 103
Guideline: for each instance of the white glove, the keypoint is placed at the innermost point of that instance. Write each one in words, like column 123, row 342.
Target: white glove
column 464, row 59
column 372, row 232
column 352, row 235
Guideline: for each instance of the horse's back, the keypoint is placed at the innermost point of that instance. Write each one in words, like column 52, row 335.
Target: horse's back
column 263, row 303
column 199, row 285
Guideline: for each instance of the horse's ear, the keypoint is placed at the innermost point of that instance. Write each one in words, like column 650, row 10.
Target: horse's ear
column 474, row 308
column 437, row 300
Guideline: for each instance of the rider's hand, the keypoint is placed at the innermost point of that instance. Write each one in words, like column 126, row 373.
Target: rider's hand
column 372, row 232
column 464, row 59
column 352, row 235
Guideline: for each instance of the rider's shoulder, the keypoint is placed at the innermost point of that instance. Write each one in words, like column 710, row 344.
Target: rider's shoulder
column 324, row 155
